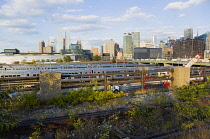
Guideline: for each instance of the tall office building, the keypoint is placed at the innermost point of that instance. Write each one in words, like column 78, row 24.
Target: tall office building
column 52, row 43
column 67, row 38
column 41, row 46
column 208, row 43
column 111, row 47
column 135, row 39
column 127, row 46
column 154, row 40
column 63, row 34
column 188, row 34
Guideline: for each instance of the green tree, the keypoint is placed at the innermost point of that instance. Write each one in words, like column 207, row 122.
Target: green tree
column 23, row 61
column 42, row 60
column 67, row 59
column 96, row 58
column 33, row 61
column 16, row 62
column 47, row 60
column 59, row 60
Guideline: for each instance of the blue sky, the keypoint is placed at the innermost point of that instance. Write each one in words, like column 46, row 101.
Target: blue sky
column 23, row 23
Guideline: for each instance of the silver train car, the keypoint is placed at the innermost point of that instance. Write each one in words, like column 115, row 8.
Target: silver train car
column 13, row 71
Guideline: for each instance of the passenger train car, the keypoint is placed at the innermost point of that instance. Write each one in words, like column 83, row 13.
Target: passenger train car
column 13, row 71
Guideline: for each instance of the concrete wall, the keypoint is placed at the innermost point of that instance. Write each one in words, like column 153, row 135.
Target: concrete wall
column 181, row 76
column 50, row 85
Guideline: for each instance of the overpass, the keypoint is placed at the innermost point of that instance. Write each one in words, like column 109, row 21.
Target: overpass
column 163, row 62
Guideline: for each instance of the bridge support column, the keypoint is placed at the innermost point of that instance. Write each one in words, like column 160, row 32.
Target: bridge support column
column 181, row 76
column 50, row 85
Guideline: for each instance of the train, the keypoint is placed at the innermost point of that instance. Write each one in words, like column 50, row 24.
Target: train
column 14, row 71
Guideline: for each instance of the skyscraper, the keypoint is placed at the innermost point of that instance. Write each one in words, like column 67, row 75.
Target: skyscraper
column 41, row 46
column 67, row 38
column 188, row 34
column 154, row 40
column 52, row 43
column 111, row 47
column 135, row 39
column 127, row 46
column 60, row 43
column 208, row 43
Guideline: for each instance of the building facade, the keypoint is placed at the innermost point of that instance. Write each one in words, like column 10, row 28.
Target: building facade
column 48, row 49
column 52, row 43
column 207, row 49
column 167, row 53
column 94, row 51
column 147, row 53
column 147, row 44
column 111, row 47
column 188, row 48
column 154, row 40
column 41, row 46
column 135, row 39
column 63, row 39
column 127, row 46
column 188, row 33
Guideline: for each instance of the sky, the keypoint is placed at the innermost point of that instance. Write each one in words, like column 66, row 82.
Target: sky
column 24, row 23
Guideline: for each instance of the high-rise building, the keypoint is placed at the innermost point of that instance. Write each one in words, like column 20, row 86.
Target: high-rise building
column 52, row 43
column 67, row 38
column 41, row 46
column 208, row 43
column 111, row 47
column 188, row 48
column 207, row 49
column 127, row 46
column 188, row 33
column 94, row 51
column 61, row 44
column 135, row 39
column 154, row 40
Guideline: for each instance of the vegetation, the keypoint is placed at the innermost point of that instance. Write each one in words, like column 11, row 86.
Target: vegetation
column 190, row 109
column 59, row 60
column 16, row 62
column 67, row 59
column 83, row 95
column 96, row 58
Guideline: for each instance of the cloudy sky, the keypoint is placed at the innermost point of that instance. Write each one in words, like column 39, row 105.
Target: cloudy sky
column 23, row 23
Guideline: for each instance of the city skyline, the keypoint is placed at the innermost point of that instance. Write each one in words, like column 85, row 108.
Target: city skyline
column 25, row 23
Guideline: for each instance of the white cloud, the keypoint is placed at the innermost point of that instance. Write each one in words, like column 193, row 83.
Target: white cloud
column 17, row 23
column 74, row 10
column 87, row 27
column 132, row 12
column 60, row 18
column 196, row 1
column 63, row 1
column 183, row 5
column 13, row 8
column 181, row 15
column 22, row 31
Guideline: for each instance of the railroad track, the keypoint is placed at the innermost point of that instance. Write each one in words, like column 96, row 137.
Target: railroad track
column 80, row 116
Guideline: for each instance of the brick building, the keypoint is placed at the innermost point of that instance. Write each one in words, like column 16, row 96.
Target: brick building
column 188, row 48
